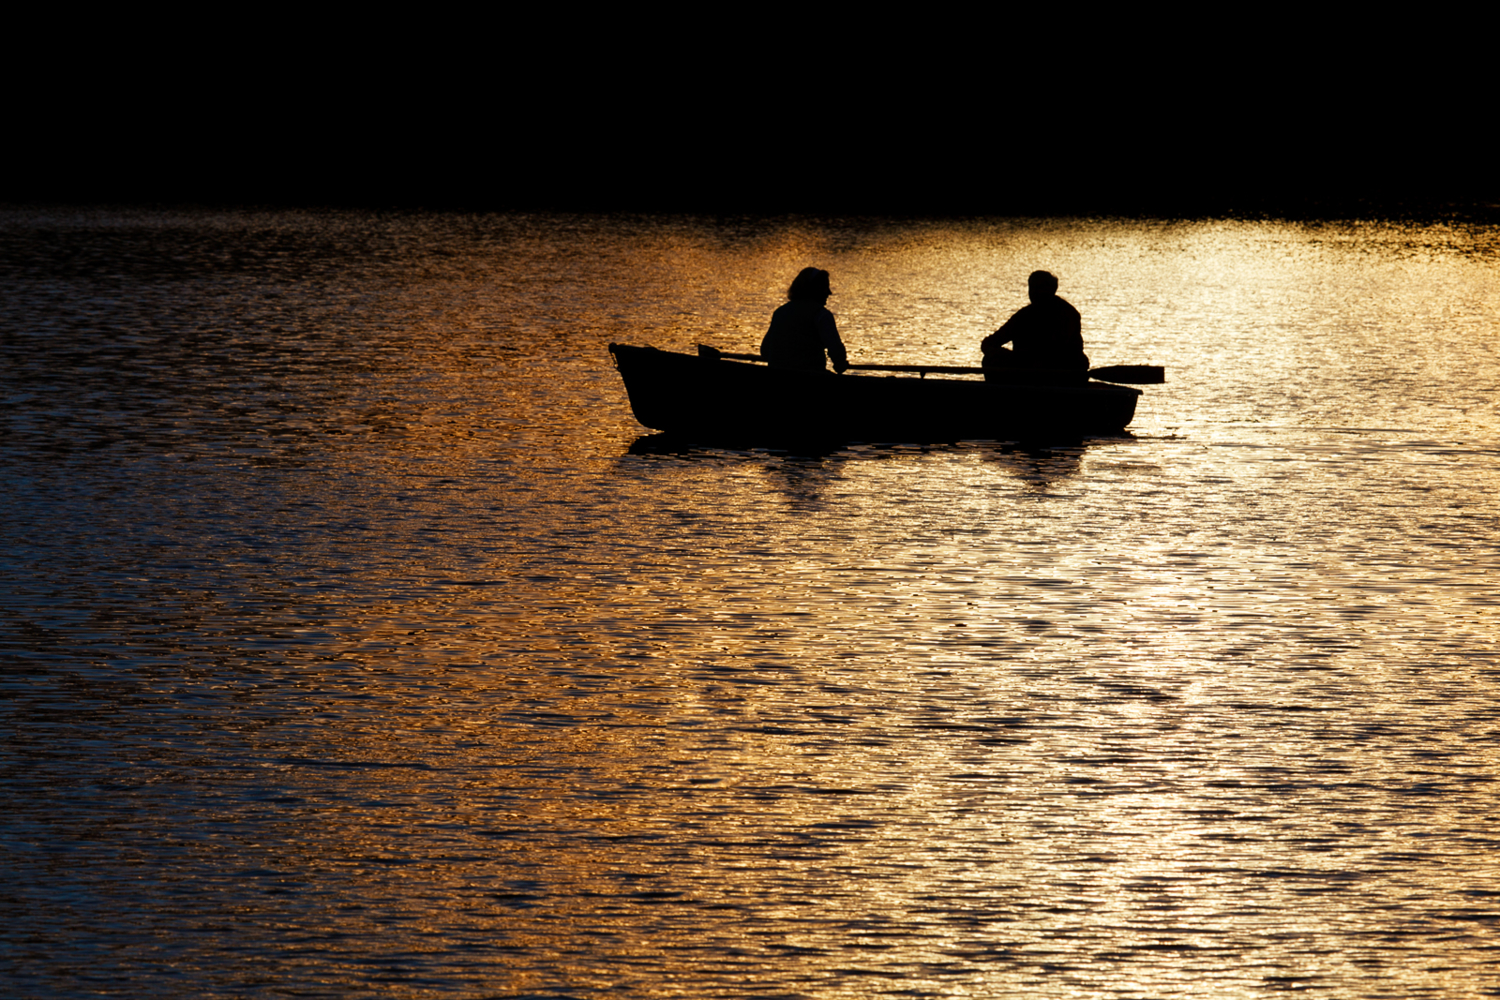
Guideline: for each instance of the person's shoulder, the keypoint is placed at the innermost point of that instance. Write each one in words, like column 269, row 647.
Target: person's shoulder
column 1059, row 307
column 805, row 311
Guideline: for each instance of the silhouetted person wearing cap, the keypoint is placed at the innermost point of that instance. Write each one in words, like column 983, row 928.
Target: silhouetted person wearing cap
column 803, row 330
column 1046, row 334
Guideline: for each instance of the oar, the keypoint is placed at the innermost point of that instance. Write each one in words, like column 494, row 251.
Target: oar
column 1130, row 374
column 713, row 354
column 1119, row 374
column 921, row 369
column 704, row 351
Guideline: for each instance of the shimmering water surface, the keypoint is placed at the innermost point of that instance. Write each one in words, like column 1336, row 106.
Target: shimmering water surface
column 358, row 642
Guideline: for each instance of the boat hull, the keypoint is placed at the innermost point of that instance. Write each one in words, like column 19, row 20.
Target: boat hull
column 715, row 399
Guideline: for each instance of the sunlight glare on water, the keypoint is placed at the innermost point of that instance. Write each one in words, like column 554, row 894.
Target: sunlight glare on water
column 358, row 641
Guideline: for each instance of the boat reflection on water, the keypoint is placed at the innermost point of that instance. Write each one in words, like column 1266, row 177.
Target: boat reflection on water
column 803, row 472
column 1060, row 459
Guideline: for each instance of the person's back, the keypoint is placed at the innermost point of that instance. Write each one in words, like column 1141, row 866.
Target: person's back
column 803, row 331
column 1048, row 333
column 796, row 338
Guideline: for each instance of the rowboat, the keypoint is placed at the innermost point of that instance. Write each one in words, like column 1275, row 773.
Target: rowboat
column 715, row 397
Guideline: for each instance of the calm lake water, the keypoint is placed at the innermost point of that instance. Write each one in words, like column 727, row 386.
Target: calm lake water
column 356, row 644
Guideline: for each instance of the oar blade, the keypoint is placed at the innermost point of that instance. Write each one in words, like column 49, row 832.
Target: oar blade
column 1130, row 374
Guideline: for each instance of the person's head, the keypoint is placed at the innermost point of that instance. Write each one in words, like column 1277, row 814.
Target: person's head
column 1041, row 285
column 810, row 285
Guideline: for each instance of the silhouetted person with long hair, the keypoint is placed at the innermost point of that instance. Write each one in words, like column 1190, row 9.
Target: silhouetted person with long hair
column 1046, row 334
column 803, row 331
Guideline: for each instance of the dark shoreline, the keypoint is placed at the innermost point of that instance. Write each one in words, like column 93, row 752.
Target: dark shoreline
column 1462, row 210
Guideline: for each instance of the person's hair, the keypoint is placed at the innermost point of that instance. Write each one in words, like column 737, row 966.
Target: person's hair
column 810, row 285
column 1043, row 279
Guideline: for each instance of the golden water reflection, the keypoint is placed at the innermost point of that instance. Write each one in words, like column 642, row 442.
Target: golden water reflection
column 385, row 662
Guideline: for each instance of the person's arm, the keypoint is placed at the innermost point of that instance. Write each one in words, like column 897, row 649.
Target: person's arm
column 999, row 338
column 828, row 329
column 1075, row 327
